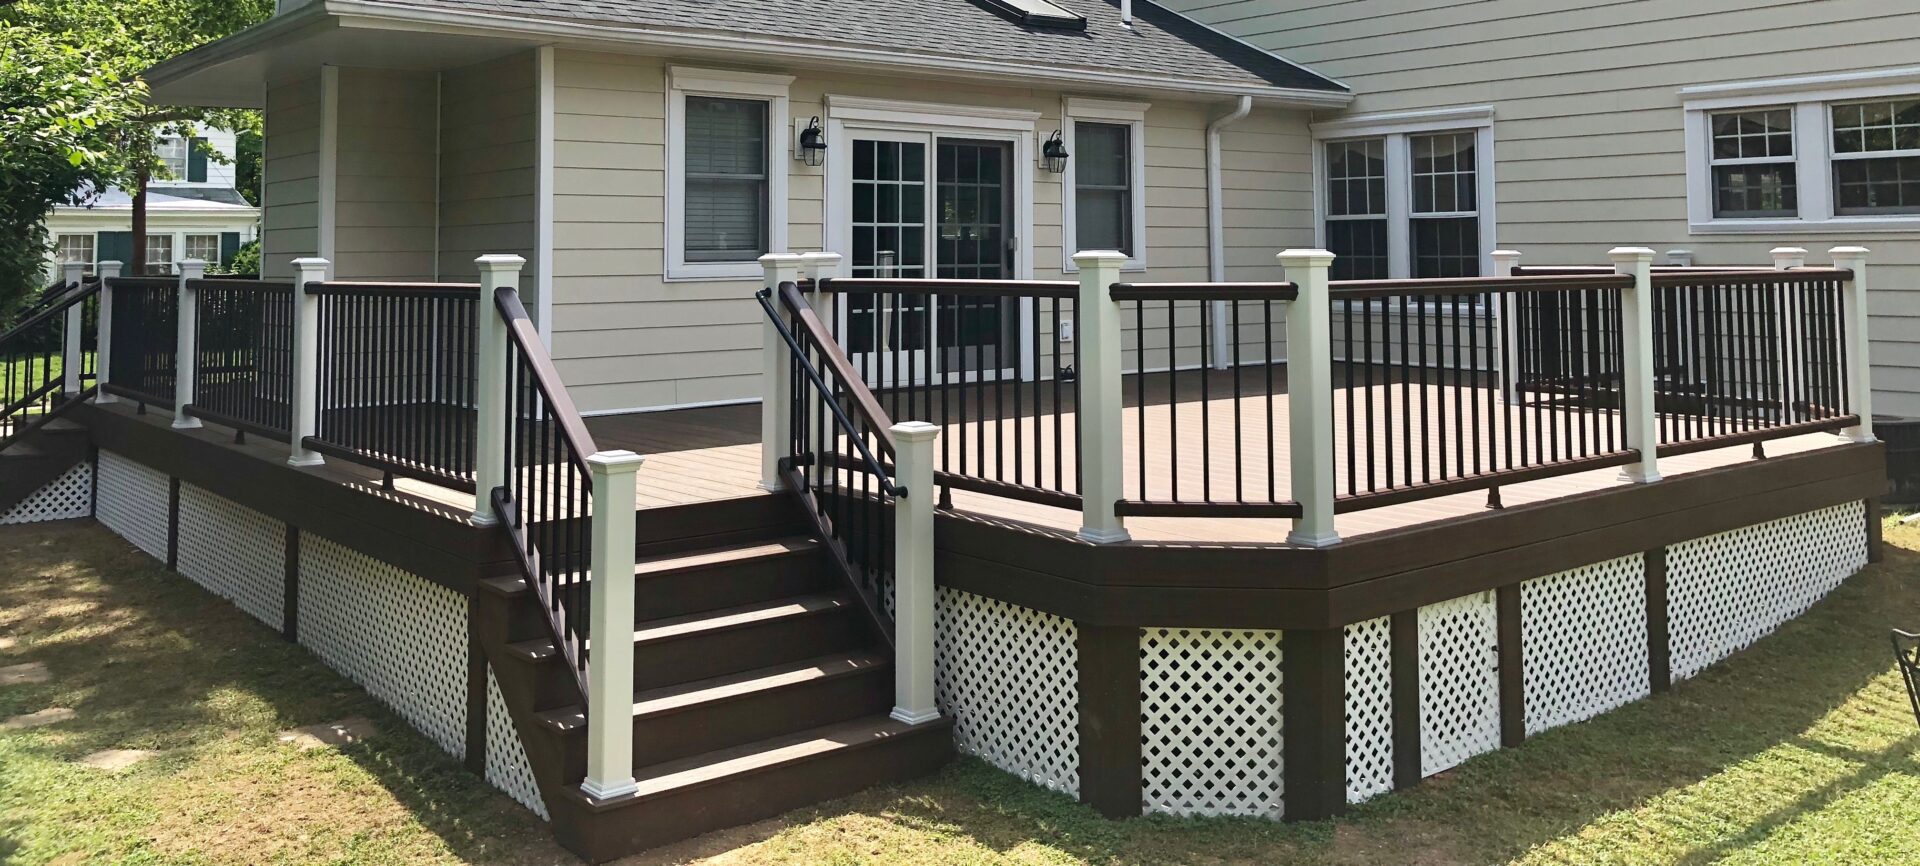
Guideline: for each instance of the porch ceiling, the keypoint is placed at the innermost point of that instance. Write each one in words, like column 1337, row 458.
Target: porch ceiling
column 234, row 72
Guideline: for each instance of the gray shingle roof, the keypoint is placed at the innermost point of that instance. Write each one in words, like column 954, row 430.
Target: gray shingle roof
column 1162, row 43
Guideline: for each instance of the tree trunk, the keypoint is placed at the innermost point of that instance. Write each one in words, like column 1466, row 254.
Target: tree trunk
column 139, row 264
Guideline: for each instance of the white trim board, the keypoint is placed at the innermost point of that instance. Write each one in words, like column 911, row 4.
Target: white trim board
column 545, row 111
column 684, row 81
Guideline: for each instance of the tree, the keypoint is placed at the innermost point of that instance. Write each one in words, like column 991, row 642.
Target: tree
column 85, row 56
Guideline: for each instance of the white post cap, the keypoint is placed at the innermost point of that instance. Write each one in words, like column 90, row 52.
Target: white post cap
column 497, row 262
column 609, row 462
column 1307, row 257
column 1096, row 257
column 782, row 259
column 914, row 431
column 1849, row 252
column 1630, row 254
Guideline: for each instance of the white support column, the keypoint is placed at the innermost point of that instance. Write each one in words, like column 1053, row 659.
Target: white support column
column 490, row 439
column 186, row 352
column 103, row 352
column 915, row 443
column 1636, row 348
column 820, row 266
column 1853, row 294
column 306, row 360
column 1102, row 458
column 1504, row 261
column 776, row 427
column 1788, row 258
column 1310, row 396
column 610, row 627
column 72, row 356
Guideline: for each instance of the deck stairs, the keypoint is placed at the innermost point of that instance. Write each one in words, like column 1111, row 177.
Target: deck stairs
column 37, row 457
column 759, row 683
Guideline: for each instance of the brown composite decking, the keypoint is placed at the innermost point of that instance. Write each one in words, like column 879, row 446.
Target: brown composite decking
column 695, row 455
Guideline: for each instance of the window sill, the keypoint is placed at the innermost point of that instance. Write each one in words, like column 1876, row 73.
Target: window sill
column 1133, row 266
column 714, row 272
column 1837, row 225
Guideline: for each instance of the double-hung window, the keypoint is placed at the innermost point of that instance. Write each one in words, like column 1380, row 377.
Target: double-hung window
column 727, row 172
column 76, row 248
column 173, row 157
column 1104, row 203
column 1834, row 153
column 1407, row 195
column 205, row 248
column 159, row 255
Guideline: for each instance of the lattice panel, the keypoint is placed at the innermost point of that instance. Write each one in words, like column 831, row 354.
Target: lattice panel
column 1009, row 678
column 64, row 498
column 1210, row 716
column 237, row 553
column 1583, row 641
column 401, row 637
column 507, row 765
column 1369, row 708
column 133, row 503
column 1459, row 681
column 1726, row 591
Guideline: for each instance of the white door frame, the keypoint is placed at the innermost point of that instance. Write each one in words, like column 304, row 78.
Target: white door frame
column 847, row 115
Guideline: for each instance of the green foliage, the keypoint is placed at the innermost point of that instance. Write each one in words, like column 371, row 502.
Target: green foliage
column 74, row 116
column 248, row 153
column 247, row 260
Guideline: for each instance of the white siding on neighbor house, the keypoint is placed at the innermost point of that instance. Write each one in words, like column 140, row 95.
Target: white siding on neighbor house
column 626, row 338
column 487, row 168
column 388, row 170
column 291, row 167
column 1588, row 120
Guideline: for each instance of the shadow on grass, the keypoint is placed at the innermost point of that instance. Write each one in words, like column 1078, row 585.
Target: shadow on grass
column 149, row 660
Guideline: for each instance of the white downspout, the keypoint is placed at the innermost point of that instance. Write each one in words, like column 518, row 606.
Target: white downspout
column 1126, row 13
column 1216, row 224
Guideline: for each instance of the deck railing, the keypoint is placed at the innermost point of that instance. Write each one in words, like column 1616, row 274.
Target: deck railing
column 1395, row 390
column 47, row 358
column 243, row 341
column 142, row 337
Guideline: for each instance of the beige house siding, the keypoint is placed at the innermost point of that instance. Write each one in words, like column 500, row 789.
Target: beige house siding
column 388, row 169
column 290, row 165
column 488, row 157
column 1587, row 114
column 625, row 337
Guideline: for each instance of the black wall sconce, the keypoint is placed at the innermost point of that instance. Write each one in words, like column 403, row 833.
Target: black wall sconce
column 813, row 143
column 1055, row 153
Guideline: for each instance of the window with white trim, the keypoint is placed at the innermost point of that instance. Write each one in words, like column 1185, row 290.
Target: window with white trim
column 159, row 255
column 173, row 157
column 1103, row 203
column 1407, row 195
column 205, row 248
column 727, row 172
column 76, row 248
column 1837, row 152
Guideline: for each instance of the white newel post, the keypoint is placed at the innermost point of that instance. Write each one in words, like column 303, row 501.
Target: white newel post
column 776, row 428
column 914, row 443
column 186, row 352
column 1636, row 349
column 1310, row 396
column 1102, row 458
column 817, row 267
column 72, row 356
column 1788, row 258
column 1504, row 261
column 490, row 438
column 103, row 351
column 306, row 360
column 610, row 627
column 1853, row 294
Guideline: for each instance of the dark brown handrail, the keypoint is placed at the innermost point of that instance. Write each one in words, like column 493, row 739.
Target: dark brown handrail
column 1358, row 289
column 864, row 403
column 1767, row 277
column 1204, row 292
column 976, row 288
column 144, row 282
column 411, row 290
column 521, row 331
column 241, row 283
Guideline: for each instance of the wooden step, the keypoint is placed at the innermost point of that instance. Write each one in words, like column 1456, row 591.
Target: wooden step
column 719, row 522
column 691, row 718
column 714, row 643
column 733, row 786
column 687, row 582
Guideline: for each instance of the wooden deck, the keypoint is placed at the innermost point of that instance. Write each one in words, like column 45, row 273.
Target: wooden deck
column 696, row 455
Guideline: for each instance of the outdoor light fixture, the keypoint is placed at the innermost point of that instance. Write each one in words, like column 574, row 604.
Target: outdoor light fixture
column 1055, row 152
column 813, row 143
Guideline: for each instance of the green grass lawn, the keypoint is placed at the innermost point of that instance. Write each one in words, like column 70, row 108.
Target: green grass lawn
column 1800, row 750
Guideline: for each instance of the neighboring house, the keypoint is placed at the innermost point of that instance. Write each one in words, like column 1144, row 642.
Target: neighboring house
column 642, row 167
column 1718, row 129
column 193, row 212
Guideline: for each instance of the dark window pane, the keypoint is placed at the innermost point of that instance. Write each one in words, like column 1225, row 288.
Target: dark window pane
column 1359, row 248
column 1443, row 164
column 725, row 220
column 1101, row 218
column 1100, row 155
column 1356, row 177
column 1877, row 186
column 1755, row 191
column 1446, row 247
column 1103, row 187
column 725, row 217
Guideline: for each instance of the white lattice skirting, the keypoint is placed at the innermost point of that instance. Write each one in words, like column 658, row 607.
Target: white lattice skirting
column 1583, row 641
column 64, row 498
column 1210, row 718
column 1369, row 699
column 401, row 637
column 1726, row 591
column 1008, row 677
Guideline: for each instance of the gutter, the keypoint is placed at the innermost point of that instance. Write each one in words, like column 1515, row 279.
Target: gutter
column 1216, row 220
